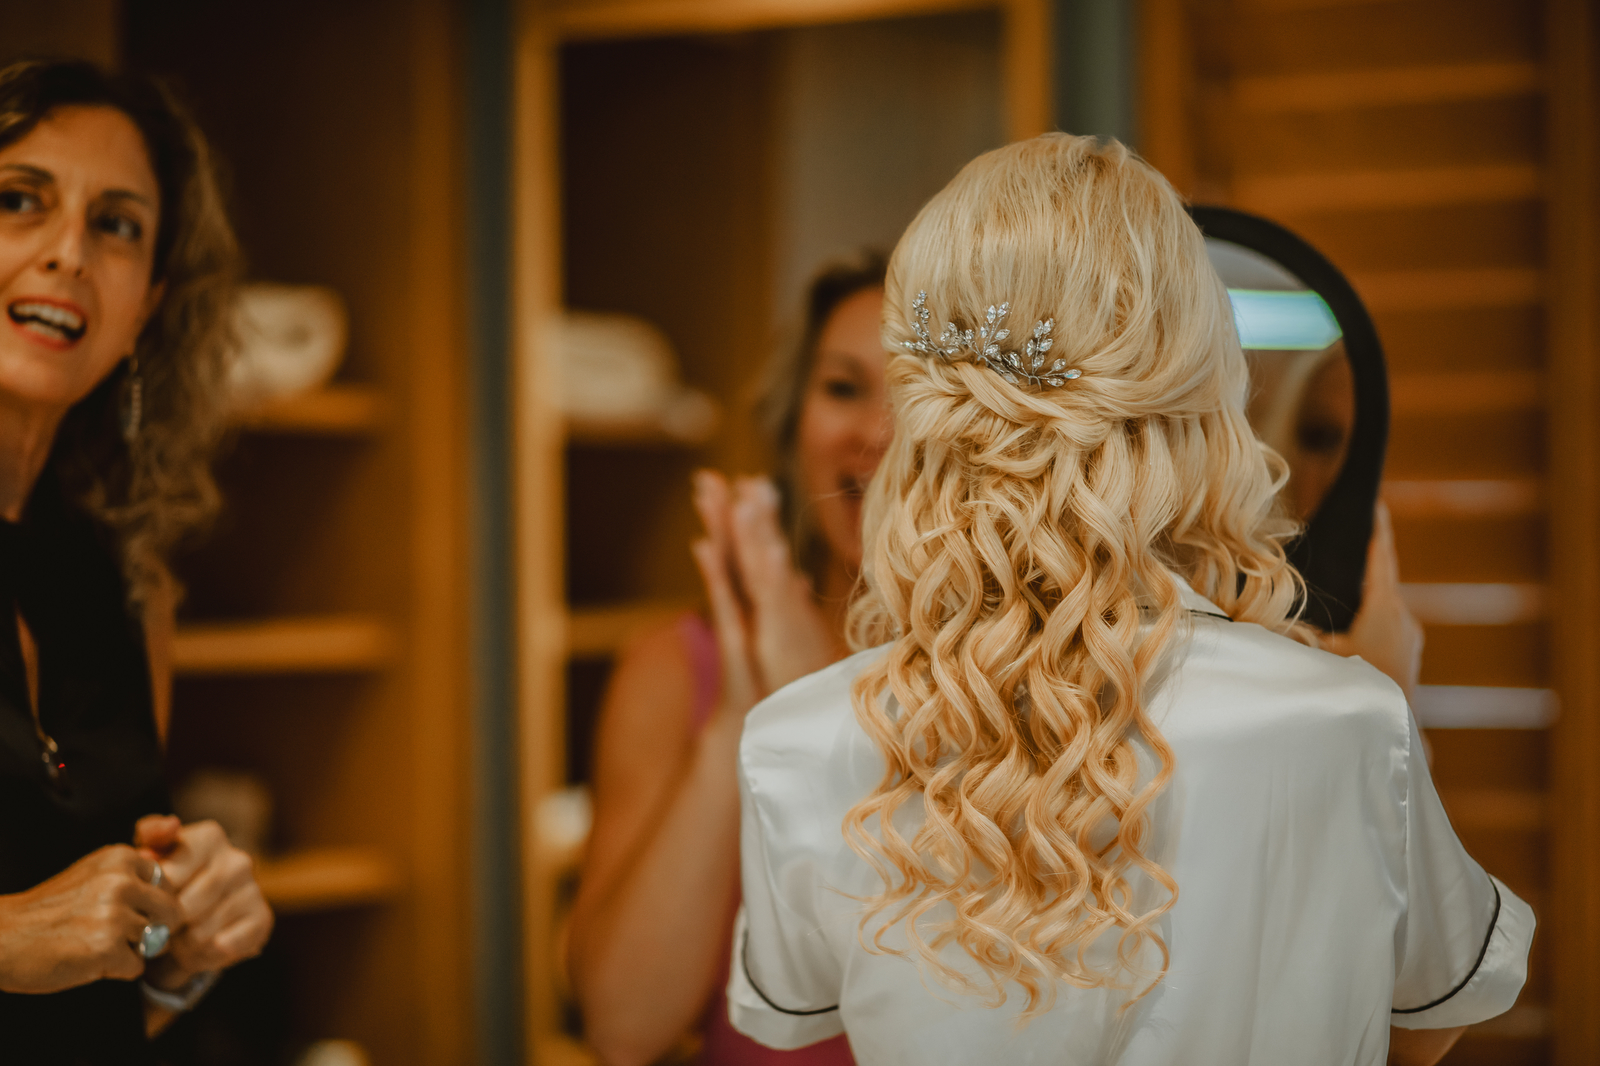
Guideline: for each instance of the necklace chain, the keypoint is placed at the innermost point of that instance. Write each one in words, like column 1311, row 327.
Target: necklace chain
column 50, row 751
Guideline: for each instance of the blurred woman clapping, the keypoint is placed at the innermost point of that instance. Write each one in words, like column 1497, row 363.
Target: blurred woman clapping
column 779, row 561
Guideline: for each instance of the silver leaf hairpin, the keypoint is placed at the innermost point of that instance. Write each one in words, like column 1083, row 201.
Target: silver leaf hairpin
column 984, row 344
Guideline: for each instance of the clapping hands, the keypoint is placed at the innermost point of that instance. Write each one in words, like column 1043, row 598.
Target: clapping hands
column 769, row 626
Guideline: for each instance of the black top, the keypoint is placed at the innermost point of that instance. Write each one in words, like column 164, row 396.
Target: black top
column 59, row 568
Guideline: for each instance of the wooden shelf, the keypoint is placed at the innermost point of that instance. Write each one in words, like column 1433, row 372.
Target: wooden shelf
column 1466, row 393
column 327, row 878
column 1392, row 87
column 1292, row 194
column 1464, row 498
column 635, row 432
column 596, row 632
column 1496, row 809
column 1484, row 707
column 337, row 411
column 710, row 294
column 310, row 644
column 1475, row 604
column 382, row 466
column 1449, row 290
column 579, row 19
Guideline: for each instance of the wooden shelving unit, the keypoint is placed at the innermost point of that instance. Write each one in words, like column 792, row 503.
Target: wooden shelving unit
column 1449, row 289
column 1502, row 809
column 336, row 410
column 320, row 879
column 340, row 643
column 602, row 631
column 1385, row 86
column 633, row 433
column 322, row 644
column 1474, row 245
column 1468, row 393
column 1464, row 498
column 603, row 509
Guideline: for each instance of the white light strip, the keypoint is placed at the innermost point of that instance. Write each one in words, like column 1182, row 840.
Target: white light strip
column 1482, row 707
column 1445, row 604
column 1283, row 321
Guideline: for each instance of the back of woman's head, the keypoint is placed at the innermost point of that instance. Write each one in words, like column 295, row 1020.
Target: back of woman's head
column 1022, row 537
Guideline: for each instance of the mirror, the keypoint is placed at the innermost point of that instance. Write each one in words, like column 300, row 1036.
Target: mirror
column 1318, row 396
column 1302, row 394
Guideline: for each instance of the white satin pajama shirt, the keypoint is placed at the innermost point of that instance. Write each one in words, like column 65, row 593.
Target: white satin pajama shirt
column 1322, row 894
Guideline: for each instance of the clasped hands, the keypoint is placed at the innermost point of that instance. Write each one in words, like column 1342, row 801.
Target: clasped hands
column 86, row 922
column 223, row 916
column 769, row 626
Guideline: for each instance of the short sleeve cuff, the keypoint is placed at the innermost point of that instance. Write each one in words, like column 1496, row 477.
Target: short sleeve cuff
column 776, row 1025
column 1492, row 986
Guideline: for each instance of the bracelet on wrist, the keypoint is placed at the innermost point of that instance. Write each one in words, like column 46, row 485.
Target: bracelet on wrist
column 183, row 998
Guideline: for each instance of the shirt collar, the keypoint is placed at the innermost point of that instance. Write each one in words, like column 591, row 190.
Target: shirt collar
column 1192, row 600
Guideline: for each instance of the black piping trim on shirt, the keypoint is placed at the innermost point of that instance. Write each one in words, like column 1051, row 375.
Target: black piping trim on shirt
column 1199, row 614
column 1483, row 951
column 744, row 963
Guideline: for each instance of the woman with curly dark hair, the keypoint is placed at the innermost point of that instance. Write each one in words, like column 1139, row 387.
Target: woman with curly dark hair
column 117, row 265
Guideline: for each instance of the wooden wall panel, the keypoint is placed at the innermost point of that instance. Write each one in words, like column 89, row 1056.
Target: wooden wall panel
column 1412, row 142
column 1573, row 42
column 1468, row 338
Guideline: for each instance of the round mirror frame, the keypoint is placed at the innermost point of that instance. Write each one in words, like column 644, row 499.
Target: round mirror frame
column 1332, row 552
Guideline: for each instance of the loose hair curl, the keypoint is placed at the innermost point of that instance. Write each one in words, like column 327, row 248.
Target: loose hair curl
column 1020, row 551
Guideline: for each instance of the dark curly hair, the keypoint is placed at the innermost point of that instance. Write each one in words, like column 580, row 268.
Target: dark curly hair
column 153, row 490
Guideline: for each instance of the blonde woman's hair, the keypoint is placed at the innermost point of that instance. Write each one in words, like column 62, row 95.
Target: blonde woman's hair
column 1020, row 546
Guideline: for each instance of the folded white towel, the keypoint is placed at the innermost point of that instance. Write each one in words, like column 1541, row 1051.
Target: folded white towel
column 290, row 340
column 621, row 368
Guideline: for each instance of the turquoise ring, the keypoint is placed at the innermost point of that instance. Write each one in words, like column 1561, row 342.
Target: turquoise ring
column 153, row 941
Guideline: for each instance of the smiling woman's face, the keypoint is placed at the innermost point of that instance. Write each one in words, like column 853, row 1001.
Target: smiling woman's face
column 845, row 423
column 79, row 207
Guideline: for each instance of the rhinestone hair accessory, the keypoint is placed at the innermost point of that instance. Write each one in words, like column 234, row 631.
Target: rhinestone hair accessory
column 984, row 345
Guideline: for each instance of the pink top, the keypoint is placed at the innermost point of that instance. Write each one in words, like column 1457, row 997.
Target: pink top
column 723, row 1044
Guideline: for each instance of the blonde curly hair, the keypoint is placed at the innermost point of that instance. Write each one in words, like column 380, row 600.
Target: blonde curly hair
column 1021, row 544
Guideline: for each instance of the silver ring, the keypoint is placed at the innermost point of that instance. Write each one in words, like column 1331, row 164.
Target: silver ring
column 153, row 941
column 157, row 878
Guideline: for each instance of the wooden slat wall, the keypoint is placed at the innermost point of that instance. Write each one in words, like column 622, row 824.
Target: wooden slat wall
column 1407, row 139
column 1573, row 165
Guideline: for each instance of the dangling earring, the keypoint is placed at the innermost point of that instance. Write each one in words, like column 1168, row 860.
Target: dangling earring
column 132, row 400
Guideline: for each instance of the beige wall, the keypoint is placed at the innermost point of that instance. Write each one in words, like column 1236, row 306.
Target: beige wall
column 871, row 120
